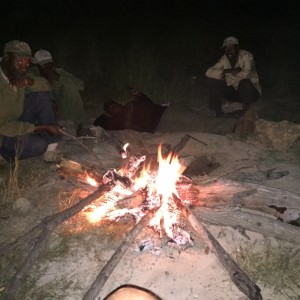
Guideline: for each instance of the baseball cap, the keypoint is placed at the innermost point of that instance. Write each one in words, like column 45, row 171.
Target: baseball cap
column 231, row 40
column 43, row 57
column 18, row 47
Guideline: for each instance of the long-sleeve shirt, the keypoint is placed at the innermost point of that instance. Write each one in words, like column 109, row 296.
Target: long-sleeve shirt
column 12, row 103
column 66, row 92
column 245, row 61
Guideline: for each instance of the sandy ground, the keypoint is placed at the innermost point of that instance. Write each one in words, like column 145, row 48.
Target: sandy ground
column 73, row 257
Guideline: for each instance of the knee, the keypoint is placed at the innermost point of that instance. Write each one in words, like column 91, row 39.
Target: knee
column 215, row 86
column 40, row 147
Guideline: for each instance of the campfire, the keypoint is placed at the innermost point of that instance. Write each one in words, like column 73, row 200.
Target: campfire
column 156, row 194
column 159, row 187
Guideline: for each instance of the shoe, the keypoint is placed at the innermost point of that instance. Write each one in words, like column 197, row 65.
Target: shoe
column 52, row 157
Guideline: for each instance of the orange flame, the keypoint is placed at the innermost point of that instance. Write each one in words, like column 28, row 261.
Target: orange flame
column 169, row 172
column 162, row 184
column 91, row 181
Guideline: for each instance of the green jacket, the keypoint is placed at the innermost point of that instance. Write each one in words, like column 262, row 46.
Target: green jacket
column 11, row 106
column 66, row 93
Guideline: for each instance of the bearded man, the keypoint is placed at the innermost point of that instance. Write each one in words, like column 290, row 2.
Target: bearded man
column 233, row 78
column 27, row 123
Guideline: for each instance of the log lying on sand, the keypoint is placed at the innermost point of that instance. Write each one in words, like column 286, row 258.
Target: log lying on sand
column 283, row 205
column 265, row 225
column 266, row 210
column 237, row 275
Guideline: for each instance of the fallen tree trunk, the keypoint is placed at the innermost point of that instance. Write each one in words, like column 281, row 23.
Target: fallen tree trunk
column 281, row 204
column 237, row 275
column 102, row 277
column 46, row 227
column 265, row 225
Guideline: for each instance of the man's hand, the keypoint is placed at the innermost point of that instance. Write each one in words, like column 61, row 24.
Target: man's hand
column 51, row 129
column 232, row 71
column 20, row 81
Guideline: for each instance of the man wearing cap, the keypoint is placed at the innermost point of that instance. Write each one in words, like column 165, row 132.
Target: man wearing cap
column 65, row 89
column 27, row 122
column 233, row 78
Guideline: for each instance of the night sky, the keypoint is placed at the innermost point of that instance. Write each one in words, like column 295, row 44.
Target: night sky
column 269, row 29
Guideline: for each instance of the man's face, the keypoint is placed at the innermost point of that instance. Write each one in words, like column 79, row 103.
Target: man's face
column 47, row 68
column 231, row 51
column 17, row 65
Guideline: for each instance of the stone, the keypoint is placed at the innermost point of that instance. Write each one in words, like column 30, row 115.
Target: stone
column 276, row 135
column 22, row 205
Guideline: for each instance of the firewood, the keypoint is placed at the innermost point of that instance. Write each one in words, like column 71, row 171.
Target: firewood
column 106, row 271
column 70, row 168
column 132, row 202
column 83, row 145
column 265, row 225
column 45, row 228
column 221, row 194
column 237, row 275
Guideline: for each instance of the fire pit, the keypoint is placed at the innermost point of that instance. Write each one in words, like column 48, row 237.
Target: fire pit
column 159, row 189
column 161, row 207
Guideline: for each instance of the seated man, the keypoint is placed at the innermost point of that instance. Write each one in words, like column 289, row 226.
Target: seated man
column 233, row 78
column 65, row 89
column 27, row 121
column 141, row 114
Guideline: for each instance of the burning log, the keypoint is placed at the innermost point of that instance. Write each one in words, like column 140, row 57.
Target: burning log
column 43, row 231
column 237, row 275
column 70, row 169
column 102, row 277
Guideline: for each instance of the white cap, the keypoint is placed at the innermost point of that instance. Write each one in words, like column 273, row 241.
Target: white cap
column 231, row 40
column 43, row 57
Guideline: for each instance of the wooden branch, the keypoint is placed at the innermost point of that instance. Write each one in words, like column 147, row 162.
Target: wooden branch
column 237, row 275
column 83, row 145
column 102, row 277
column 226, row 193
column 265, row 225
column 47, row 225
column 201, row 142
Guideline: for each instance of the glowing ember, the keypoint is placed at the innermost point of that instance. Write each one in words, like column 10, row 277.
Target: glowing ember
column 98, row 213
column 91, row 181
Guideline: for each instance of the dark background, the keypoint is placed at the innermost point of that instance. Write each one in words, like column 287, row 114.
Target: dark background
column 163, row 47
